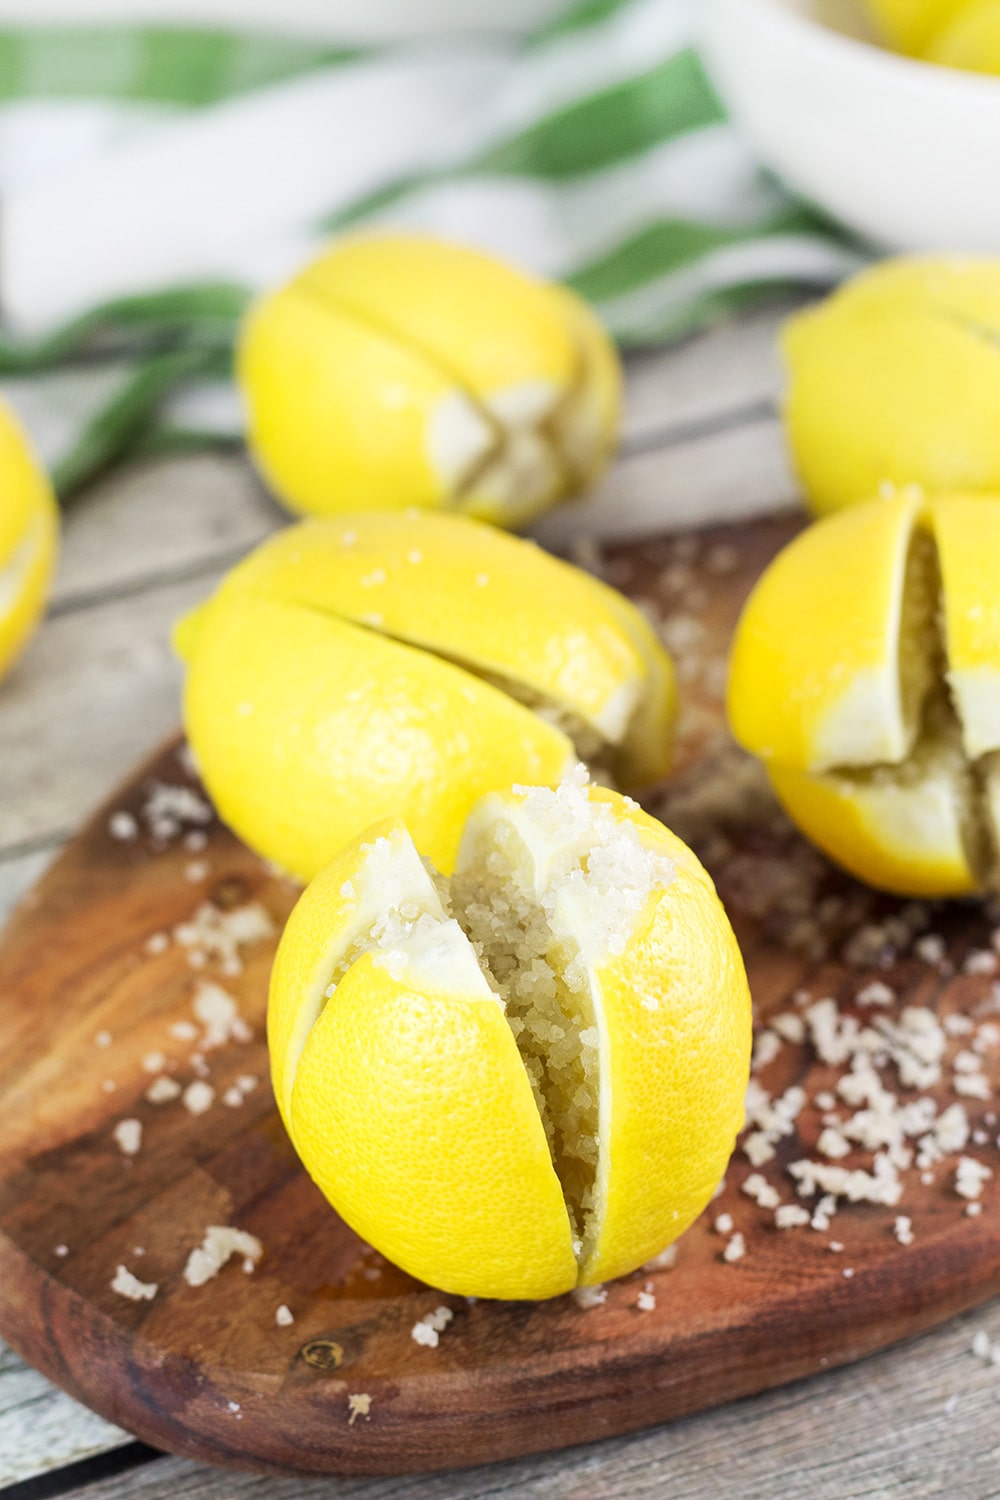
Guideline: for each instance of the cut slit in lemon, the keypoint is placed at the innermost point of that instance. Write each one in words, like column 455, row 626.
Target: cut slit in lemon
column 529, row 1077
column 890, row 761
column 397, row 370
column 405, row 665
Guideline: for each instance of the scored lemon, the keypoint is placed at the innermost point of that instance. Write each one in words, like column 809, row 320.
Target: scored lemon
column 971, row 41
column 865, row 674
column 895, row 379
column 910, row 25
column 29, row 535
column 403, row 665
column 529, row 1077
column 398, row 370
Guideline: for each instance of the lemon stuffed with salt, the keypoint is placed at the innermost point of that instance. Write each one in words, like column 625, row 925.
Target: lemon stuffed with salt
column 895, row 380
column 971, row 41
column 398, row 371
column 866, row 675
column 389, row 665
column 530, row 1076
column 29, row 534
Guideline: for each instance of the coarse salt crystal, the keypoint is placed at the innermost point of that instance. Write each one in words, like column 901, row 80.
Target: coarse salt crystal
column 903, row 1229
column 128, row 1136
column 790, row 1216
column 930, row 948
column 123, row 827
column 163, row 1089
column 970, row 1176
column 284, row 1317
column 723, row 1224
column 198, row 1097
column 735, row 1249
column 127, row 1285
column 646, row 1301
column 154, row 1062
column 359, row 1405
column 220, row 1242
column 875, row 993
column 589, row 1296
column 431, row 1326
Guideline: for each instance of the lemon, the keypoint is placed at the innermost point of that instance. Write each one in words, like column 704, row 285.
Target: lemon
column 392, row 664
column 398, row 371
column 971, row 41
column 865, row 674
column 29, row 534
column 910, row 25
column 529, row 1077
column 896, row 379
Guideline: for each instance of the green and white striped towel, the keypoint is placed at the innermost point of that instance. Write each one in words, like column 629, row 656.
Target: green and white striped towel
column 152, row 178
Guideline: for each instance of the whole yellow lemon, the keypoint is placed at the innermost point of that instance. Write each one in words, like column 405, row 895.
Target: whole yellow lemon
column 402, row 371
column 895, row 380
column 866, row 675
column 402, row 665
column 529, row 1077
column 29, row 537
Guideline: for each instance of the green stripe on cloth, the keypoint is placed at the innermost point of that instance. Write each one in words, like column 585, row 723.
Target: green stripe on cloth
column 577, row 18
column 184, row 67
column 671, row 244
column 614, row 101
column 183, row 317
column 670, row 100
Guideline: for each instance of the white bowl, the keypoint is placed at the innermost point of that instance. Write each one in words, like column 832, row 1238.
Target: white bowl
column 902, row 152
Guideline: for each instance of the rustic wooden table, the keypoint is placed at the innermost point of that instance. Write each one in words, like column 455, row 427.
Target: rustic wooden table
column 99, row 688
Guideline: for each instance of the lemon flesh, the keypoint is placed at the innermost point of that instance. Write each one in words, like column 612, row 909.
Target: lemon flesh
column 388, row 665
column 398, row 370
column 29, row 532
column 895, row 380
column 528, row 1077
column 866, row 675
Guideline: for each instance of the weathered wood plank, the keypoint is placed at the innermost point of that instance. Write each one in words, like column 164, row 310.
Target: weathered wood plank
column 157, row 520
column 94, row 692
column 18, row 873
column 915, row 1423
column 728, row 370
column 42, row 1429
column 726, row 476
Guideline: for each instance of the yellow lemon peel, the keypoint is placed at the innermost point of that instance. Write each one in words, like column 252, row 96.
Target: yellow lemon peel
column 526, row 1078
column 398, row 370
column 29, row 534
column 878, row 712
column 403, row 665
column 895, row 380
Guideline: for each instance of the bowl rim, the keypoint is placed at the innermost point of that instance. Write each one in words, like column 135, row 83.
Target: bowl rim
column 915, row 71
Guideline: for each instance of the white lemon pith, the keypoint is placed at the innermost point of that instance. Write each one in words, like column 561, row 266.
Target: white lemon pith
column 29, row 530
column 398, row 370
column 866, row 675
column 528, row 1077
column 895, row 380
column 403, row 665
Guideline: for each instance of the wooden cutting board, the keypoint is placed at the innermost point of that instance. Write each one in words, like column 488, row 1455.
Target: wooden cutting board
column 102, row 977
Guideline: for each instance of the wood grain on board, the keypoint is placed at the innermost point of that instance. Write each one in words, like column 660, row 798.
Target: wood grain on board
column 92, row 957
